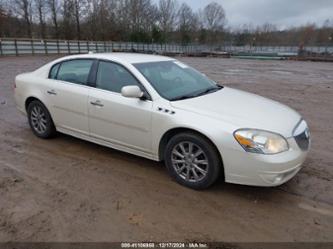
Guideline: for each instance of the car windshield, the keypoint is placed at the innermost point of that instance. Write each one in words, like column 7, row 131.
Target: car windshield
column 174, row 80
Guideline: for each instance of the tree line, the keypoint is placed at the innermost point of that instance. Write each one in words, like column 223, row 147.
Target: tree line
column 163, row 21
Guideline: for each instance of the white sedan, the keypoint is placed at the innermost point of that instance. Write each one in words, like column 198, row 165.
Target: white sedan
column 159, row 108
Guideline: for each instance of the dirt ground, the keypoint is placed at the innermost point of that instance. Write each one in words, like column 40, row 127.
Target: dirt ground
column 66, row 189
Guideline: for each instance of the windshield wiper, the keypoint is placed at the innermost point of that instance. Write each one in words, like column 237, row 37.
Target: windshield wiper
column 210, row 90
column 188, row 96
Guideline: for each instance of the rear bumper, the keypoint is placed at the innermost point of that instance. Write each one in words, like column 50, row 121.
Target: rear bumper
column 19, row 100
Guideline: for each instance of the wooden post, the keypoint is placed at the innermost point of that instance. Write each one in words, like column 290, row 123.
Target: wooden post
column 96, row 47
column 78, row 45
column 16, row 50
column 104, row 47
column 88, row 46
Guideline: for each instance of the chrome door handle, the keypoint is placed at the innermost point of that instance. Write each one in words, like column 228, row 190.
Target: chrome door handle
column 52, row 92
column 97, row 103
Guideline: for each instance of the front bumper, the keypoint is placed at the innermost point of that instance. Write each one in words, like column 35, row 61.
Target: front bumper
column 263, row 170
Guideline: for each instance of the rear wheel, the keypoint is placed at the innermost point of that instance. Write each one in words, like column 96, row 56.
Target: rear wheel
column 40, row 120
column 192, row 160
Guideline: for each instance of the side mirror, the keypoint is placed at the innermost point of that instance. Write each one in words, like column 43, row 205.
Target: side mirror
column 132, row 92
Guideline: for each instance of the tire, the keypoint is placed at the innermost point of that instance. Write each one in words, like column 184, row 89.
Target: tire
column 197, row 170
column 40, row 120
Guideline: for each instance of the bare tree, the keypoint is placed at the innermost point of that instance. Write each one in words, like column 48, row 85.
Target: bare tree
column 213, row 21
column 307, row 33
column 23, row 9
column 79, row 9
column 67, row 19
column 214, row 17
column 2, row 18
column 101, row 20
column 54, row 6
column 265, row 34
column 142, row 14
column 92, row 20
column 187, row 22
column 167, row 15
column 40, row 7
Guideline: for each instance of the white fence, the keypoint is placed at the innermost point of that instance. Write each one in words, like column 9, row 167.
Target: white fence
column 28, row 47
column 35, row 47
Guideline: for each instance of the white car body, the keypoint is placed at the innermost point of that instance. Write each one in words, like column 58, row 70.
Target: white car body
column 139, row 127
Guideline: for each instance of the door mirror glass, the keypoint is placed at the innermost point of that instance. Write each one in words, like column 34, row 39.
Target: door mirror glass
column 132, row 92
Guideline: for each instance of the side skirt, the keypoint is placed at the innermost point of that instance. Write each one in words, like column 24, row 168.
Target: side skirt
column 108, row 144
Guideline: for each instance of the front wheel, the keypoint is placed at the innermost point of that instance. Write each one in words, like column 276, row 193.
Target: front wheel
column 192, row 160
column 40, row 120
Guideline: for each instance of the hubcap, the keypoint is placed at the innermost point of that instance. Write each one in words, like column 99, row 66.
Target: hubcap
column 189, row 161
column 38, row 119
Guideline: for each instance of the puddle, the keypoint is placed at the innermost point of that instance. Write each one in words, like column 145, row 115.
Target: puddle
column 322, row 211
column 235, row 71
column 282, row 72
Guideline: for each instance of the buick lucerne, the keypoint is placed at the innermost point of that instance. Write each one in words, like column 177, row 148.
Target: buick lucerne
column 160, row 108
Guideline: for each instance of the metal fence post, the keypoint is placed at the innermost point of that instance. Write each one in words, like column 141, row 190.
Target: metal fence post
column 32, row 47
column 68, row 48
column 58, row 49
column 88, row 48
column 1, row 47
column 45, row 46
column 16, row 50
column 96, row 47
column 78, row 45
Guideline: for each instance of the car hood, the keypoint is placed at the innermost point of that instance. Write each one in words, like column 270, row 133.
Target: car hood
column 243, row 110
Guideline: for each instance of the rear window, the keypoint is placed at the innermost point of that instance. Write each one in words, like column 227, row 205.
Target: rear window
column 74, row 71
column 54, row 71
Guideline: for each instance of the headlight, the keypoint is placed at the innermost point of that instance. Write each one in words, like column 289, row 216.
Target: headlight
column 263, row 142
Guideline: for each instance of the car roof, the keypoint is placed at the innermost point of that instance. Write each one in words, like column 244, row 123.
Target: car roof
column 131, row 58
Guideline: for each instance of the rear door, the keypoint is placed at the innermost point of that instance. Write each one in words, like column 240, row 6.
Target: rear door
column 68, row 91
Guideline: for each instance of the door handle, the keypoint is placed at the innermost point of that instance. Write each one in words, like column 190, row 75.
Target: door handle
column 97, row 103
column 52, row 92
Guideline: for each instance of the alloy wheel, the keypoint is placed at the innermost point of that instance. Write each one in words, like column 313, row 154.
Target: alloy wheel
column 189, row 161
column 38, row 119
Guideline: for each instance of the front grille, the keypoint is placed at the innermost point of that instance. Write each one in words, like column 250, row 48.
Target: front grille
column 303, row 140
column 302, row 135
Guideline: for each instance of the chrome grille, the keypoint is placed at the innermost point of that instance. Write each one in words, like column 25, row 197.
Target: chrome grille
column 302, row 135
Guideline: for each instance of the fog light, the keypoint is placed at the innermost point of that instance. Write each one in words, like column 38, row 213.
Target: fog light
column 279, row 178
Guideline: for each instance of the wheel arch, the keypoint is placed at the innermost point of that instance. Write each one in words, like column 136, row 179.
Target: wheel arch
column 29, row 100
column 33, row 98
column 174, row 131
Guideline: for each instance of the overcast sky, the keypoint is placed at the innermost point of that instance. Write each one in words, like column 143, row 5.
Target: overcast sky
column 283, row 13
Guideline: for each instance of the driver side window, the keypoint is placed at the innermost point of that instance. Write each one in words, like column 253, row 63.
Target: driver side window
column 113, row 77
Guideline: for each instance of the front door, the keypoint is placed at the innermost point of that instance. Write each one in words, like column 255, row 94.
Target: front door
column 113, row 118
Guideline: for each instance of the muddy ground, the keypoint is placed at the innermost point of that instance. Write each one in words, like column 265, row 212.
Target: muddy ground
column 66, row 189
